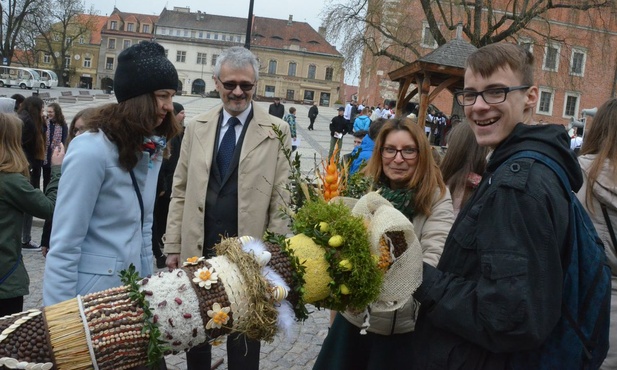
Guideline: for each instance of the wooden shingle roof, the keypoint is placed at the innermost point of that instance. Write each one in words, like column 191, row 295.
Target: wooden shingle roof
column 451, row 54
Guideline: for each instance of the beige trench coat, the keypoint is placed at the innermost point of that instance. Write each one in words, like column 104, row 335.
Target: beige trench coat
column 262, row 174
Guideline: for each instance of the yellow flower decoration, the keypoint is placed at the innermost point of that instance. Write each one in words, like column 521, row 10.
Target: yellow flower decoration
column 219, row 316
column 205, row 277
column 192, row 261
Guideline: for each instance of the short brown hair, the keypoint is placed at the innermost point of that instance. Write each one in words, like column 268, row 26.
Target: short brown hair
column 490, row 58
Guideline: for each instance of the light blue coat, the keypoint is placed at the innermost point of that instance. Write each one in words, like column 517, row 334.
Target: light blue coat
column 97, row 230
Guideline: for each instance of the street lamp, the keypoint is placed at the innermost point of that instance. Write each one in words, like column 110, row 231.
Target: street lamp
column 249, row 26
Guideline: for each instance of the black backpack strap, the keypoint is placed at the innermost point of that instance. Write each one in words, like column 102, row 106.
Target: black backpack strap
column 139, row 198
column 609, row 225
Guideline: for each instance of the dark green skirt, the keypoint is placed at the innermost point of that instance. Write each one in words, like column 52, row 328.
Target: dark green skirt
column 346, row 349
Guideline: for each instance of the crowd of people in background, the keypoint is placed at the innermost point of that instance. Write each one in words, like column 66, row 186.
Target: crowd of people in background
column 137, row 188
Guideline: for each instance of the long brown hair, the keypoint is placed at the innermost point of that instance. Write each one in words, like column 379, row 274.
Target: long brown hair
column 12, row 157
column 600, row 140
column 426, row 177
column 32, row 108
column 58, row 115
column 127, row 123
column 464, row 156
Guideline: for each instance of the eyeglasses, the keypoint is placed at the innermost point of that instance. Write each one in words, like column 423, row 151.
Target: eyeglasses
column 406, row 153
column 491, row 96
column 231, row 86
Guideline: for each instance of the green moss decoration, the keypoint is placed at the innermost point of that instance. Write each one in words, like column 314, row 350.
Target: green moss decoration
column 364, row 279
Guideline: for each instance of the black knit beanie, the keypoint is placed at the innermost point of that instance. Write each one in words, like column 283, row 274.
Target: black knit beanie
column 143, row 68
column 178, row 108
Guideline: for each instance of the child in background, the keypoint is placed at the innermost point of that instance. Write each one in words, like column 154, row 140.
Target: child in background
column 290, row 118
column 18, row 198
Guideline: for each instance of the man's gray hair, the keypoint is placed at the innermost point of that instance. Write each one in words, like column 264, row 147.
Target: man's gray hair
column 237, row 57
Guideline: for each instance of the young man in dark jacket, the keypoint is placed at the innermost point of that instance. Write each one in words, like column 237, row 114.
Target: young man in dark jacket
column 497, row 291
column 277, row 109
column 338, row 128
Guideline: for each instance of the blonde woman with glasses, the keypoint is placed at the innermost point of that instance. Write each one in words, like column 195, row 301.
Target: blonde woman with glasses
column 403, row 169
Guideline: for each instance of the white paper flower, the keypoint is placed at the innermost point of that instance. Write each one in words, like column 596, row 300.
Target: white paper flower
column 218, row 316
column 205, row 277
column 192, row 261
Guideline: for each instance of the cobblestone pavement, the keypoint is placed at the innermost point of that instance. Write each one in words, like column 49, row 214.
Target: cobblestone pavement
column 300, row 350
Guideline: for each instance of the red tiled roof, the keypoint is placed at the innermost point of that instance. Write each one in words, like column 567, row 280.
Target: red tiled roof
column 280, row 34
column 118, row 15
column 97, row 21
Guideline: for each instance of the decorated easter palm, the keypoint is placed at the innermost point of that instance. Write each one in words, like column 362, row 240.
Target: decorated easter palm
column 338, row 258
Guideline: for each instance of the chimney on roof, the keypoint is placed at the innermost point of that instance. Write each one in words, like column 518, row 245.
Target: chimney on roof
column 322, row 31
column 459, row 31
column 291, row 20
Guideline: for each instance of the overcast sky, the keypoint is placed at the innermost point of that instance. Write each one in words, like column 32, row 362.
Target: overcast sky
column 303, row 11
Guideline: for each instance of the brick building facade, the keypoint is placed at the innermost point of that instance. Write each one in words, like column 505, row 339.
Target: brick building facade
column 575, row 61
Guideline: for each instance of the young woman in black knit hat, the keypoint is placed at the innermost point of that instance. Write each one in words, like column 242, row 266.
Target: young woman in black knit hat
column 103, row 222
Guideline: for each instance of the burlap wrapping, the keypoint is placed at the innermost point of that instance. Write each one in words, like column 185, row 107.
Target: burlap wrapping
column 405, row 274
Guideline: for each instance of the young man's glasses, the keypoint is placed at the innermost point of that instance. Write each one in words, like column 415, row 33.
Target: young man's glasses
column 407, row 153
column 231, row 86
column 491, row 96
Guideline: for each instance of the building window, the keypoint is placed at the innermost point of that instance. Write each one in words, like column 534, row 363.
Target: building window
column 47, row 58
column 186, row 33
column 238, row 38
column 82, row 40
column 571, row 105
column 290, row 95
column 309, row 95
column 181, row 56
column 130, row 27
column 67, row 62
column 145, row 28
column 56, row 37
column 113, row 25
column 214, row 58
column 577, row 62
column 177, row 32
column 126, row 44
column 111, row 44
column 329, row 73
column 312, row 71
column 202, row 58
column 208, row 35
column 551, row 57
column 272, row 67
column 223, row 37
column 291, row 71
column 109, row 63
column 428, row 41
column 545, row 105
column 87, row 62
column 269, row 91
column 526, row 43
column 201, row 34
column 68, row 41
column 216, row 36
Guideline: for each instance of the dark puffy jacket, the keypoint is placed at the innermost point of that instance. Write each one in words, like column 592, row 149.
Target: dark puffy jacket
column 277, row 110
column 497, row 288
